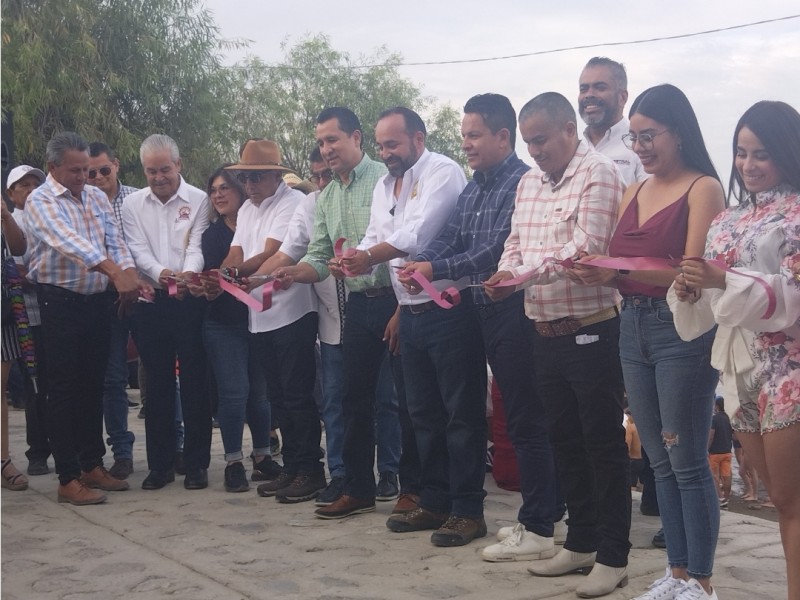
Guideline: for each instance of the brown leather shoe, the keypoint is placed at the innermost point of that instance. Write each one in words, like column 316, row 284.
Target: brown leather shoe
column 458, row 531
column 405, row 504
column 418, row 519
column 99, row 478
column 346, row 506
column 75, row 492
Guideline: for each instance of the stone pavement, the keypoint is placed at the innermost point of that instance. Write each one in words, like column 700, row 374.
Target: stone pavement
column 210, row 544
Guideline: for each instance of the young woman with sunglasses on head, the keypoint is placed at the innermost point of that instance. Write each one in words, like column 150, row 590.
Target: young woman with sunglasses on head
column 758, row 352
column 670, row 383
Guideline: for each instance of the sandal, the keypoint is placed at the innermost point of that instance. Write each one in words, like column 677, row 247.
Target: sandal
column 13, row 481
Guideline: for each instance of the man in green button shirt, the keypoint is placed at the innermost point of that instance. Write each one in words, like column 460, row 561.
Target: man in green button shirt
column 343, row 211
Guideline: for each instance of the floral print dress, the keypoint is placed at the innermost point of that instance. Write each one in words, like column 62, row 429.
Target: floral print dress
column 759, row 358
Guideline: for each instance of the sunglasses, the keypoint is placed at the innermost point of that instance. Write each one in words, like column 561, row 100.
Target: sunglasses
column 104, row 171
column 252, row 177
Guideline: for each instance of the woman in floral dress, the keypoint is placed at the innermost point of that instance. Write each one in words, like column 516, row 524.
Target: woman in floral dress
column 757, row 346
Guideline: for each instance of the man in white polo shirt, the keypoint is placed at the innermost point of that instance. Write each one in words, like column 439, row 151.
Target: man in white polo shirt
column 287, row 332
column 163, row 225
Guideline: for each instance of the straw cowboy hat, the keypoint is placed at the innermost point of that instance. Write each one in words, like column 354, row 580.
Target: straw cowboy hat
column 260, row 155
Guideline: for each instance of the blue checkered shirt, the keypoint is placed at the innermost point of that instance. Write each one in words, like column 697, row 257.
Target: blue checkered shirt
column 471, row 244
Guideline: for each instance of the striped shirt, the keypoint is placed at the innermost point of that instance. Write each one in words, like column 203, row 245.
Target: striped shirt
column 472, row 241
column 71, row 236
column 554, row 221
column 343, row 211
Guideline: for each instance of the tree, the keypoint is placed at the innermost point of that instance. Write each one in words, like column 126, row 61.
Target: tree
column 117, row 72
column 281, row 101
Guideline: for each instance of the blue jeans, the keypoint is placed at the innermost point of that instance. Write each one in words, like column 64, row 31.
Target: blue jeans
column 387, row 422
column 670, row 385
column 115, row 398
column 241, row 388
column 332, row 394
column 445, row 376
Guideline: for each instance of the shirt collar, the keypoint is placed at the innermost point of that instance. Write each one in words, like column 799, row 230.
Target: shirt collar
column 180, row 194
column 412, row 173
column 572, row 167
column 282, row 188
column 59, row 190
column 616, row 131
column 357, row 171
column 484, row 179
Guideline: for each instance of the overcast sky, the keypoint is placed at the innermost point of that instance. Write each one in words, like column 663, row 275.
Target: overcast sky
column 721, row 73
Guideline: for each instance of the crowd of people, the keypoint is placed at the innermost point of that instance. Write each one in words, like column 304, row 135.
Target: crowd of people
column 611, row 276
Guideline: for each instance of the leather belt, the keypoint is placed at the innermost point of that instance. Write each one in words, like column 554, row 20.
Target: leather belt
column 418, row 309
column 570, row 325
column 54, row 291
column 378, row 292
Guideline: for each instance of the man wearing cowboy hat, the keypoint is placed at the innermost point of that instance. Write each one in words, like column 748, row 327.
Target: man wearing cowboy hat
column 287, row 332
column 163, row 225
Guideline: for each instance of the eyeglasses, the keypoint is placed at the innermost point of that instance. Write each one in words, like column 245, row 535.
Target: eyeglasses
column 104, row 171
column 254, row 177
column 645, row 139
column 221, row 189
column 316, row 178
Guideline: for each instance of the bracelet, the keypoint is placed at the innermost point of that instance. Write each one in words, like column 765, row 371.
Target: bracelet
column 369, row 257
column 623, row 272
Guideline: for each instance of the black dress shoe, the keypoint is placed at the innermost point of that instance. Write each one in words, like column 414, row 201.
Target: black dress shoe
column 196, row 479
column 158, row 479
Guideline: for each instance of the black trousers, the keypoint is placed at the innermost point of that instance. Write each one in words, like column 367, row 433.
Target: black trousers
column 164, row 331
column 579, row 380
column 36, row 402
column 75, row 339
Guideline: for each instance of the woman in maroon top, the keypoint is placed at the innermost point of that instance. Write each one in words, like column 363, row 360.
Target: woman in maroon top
column 670, row 383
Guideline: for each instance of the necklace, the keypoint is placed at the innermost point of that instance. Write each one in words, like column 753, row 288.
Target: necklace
column 231, row 223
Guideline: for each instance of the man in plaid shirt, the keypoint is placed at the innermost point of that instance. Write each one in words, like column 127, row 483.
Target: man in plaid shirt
column 566, row 207
column 103, row 171
column 471, row 245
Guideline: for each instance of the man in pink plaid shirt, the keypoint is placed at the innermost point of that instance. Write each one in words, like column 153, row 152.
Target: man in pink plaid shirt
column 566, row 207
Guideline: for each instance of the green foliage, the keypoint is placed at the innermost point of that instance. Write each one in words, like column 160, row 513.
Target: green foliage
column 281, row 101
column 117, row 72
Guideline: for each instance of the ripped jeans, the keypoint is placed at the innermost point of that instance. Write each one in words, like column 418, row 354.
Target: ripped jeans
column 670, row 385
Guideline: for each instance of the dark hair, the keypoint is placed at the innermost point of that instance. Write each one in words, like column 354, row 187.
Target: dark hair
column 412, row 120
column 559, row 110
column 98, row 148
column 346, row 118
column 229, row 178
column 669, row 106
column 777, row 127
column 316, row 155
column 617, row 69
column 60, row 143
column 719, row 402
column 496, row 112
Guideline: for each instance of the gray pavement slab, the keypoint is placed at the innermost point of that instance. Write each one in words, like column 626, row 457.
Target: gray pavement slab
column 209, row 544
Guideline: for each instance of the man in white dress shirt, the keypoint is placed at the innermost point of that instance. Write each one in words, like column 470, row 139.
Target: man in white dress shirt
column 287, row 332
column 442, row 355
column 603, row 92
column 164, row 224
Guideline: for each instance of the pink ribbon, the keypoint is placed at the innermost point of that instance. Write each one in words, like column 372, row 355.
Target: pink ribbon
column 648, row 263
column 242, row 296
column 340, row 253
column 567, row 263
column 447, row 298
column 231, row 288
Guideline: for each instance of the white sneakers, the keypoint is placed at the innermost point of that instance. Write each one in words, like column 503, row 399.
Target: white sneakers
column 670, row 588
column 692, row 590
column 666, row 588
column 559, row 532
column 519, row 544
column 602, row 580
